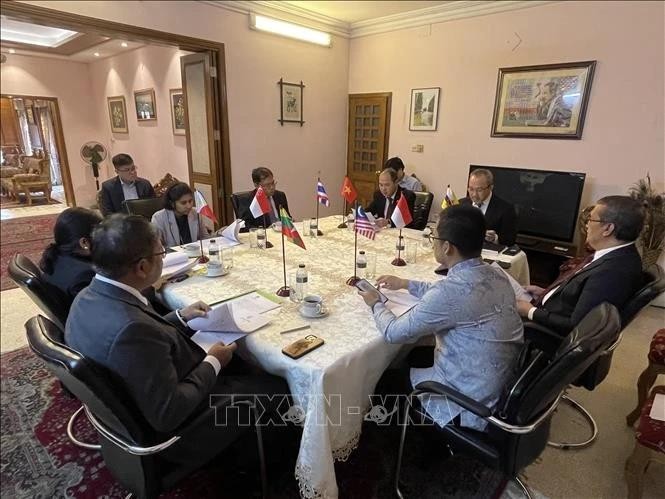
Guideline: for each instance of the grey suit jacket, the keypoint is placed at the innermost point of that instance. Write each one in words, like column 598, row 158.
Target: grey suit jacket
column 168, row 227
column 162, row 367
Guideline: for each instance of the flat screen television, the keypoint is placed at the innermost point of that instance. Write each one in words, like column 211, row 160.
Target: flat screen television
column 547, row 202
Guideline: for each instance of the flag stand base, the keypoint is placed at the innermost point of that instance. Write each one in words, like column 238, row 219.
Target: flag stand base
column 342, row 226
column 284, row 291
column 269, row 245
column 351, row 281
column 203, row 259
column 398, row 262
column 318, row 232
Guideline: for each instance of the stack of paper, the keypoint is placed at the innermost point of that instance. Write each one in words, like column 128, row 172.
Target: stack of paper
column 399, row 302
column 176, row 264
column 231, row 232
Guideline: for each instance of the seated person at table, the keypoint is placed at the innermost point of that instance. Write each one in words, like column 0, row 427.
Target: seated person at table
column 471, row 314
column 127, row 185
column 178, row 222
column 405, row 181
column 263, row 177
column 66, row 262
column 167, row 375
column 500, row 217
column 612, row 274
column 385, row 199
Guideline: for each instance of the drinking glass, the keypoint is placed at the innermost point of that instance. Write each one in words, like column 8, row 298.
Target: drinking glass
column 253, row 242
column 313, row 227
column 411, row 251
column 370, row 271
column 305, row 226
column 261, row 238
column 227, row 257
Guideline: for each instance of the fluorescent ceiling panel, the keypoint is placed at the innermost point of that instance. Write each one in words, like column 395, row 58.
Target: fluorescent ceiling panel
column 33, row 34
column 289, row 30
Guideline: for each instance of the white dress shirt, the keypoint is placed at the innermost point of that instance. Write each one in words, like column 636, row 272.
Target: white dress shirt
column 483, row 205
column 129, row 190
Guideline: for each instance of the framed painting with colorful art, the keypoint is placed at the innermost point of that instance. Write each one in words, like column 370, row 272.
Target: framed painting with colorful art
column 177, row 111
column 145, row 104
column 118, row 114
column 424, row 109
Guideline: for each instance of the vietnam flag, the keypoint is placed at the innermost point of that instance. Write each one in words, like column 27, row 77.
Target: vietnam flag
column 348, row 191
column 202, row 207
column 289, row 230
column 401, row 214
column 260, row 204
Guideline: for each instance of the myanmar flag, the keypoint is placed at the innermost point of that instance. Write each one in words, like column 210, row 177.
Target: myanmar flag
column 289, row 230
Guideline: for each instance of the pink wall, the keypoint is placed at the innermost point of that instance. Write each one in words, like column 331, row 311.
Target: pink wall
column 70, row 83
column 254, row 63
column 623, row 133
column 152, row 144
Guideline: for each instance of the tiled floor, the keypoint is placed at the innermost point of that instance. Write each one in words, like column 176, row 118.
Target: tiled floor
column 31, row 211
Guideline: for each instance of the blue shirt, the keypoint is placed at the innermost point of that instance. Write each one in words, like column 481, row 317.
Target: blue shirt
column 411, row 183
column 478, row 333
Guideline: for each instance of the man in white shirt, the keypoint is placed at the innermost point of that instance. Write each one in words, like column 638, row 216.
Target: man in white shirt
column 406, row 181
column 264, row 178
column 614, row 274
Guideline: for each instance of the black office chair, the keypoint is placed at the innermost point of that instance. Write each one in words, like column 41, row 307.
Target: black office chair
column 421, row 209
column 654, row 284
column 51, row 300
column 144, row 207
column 519, row 427
column 241, row 202
column 129, row 445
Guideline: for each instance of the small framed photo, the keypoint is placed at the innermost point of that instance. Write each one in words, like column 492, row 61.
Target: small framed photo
column 290, row 102
column 424, row 109
column 145, row 104
column 177, row 100
column 546, row 102
column 118, row 114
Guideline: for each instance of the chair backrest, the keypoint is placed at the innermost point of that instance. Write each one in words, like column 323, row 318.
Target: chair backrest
column 144, row 207
column 51, row 300
column 421, row 209
column 241, row 201
column 654, row 284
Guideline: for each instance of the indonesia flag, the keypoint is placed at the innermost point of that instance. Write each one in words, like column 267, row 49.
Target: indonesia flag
column 321, row 194
column 260, row 204
column 401, row 215
column 202, row 207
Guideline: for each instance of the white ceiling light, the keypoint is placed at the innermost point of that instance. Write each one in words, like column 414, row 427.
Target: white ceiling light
column 96, row 54
column 124, row 44
column 12, row 51
column 289, row 30
column 33, row 34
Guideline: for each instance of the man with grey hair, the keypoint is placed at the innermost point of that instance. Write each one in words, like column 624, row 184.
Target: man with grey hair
column 500, row 217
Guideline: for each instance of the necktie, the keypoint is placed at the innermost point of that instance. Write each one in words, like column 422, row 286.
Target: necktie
column 389, row 201
column 565, row 277
column 478, row 205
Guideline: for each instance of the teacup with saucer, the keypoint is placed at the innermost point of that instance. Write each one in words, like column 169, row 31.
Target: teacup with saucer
column 312, row 307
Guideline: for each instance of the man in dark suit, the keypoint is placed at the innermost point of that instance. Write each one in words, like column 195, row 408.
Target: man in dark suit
column 263, row 177
column 169, row 378
column 614, row 274
column 126, row 185
column 385, row 199
column 500, row 218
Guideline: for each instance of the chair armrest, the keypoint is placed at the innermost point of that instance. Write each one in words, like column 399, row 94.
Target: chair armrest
column 545, row 339
column 460, row 399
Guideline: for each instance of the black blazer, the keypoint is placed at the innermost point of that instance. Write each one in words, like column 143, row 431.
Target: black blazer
column 378, row 204
column 500, row 217
column 250, row 221
column 70, row 275
column 613, row 278
column 112, row 195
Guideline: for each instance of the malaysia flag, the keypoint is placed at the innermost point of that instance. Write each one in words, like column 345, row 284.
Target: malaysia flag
column 363, row 226
column 321, row 194
column 260, row 204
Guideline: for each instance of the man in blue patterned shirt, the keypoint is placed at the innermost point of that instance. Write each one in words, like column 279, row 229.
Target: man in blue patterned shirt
column 472, row 315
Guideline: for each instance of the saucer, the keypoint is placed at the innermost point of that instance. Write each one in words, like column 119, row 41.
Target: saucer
column 324, row 313
column 220, row 274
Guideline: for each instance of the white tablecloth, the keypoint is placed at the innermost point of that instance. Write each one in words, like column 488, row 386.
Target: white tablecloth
column 333, row 383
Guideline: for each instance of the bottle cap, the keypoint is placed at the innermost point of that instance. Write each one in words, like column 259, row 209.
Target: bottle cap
column 362, row 252
column 301, row 265
column 212, row 241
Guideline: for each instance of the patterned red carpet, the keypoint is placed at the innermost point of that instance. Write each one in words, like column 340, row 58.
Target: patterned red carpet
column 27, row 235
column 39, row 461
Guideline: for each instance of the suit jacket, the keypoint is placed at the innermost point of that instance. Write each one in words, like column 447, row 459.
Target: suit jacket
column 168, row 227
column 613, row 278
column 500, row 217
column 378, row 204
column 162, row 368
column 70, row 275
column 250, row 221
column 112, row 195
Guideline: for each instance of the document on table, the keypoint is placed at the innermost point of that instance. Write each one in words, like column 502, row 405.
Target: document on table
column 520, row 292
column 176, row 264
column 658, row 407
column 231, row 232
column 399, row 302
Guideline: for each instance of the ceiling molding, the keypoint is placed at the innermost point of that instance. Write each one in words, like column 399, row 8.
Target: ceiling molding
column 441, row 13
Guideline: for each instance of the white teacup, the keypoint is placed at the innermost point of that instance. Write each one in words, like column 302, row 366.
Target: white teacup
column 192, row 249
column 312, row 306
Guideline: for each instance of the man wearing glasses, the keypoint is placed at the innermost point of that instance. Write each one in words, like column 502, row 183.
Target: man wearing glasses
column 500, row 216
column 263, row 177
column 126, row 185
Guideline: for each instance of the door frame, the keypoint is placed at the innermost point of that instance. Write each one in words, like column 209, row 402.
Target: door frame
column 59, row 144
column 76, row 22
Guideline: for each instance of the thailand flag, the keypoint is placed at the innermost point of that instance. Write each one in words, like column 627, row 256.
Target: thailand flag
column 202, row 207
column 321, row 194
column 363, row 226
column 260, row 204
column 401, row 215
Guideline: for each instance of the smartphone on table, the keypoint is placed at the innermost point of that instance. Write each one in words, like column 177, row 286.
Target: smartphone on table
column 302, row 346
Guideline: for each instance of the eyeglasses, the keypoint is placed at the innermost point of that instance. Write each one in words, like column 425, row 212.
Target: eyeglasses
column 126, row 170
column 430, row 237
column 268, row 184
column 161, row 253
column 477, row 189
column 599, row 221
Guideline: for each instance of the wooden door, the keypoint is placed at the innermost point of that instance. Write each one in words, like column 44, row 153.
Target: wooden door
column 9, row 122
column 369, row 128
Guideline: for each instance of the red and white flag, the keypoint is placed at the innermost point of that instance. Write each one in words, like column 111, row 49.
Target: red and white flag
column 260, row 204
column 401, row 214
column 202, row 207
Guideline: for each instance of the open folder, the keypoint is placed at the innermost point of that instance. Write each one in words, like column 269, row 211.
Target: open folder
column 176, row 264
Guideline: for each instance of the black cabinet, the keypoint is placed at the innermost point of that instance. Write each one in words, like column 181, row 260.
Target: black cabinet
column 545, row 257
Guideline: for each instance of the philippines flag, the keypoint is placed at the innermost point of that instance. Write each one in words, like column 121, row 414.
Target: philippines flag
column 401, row 214
column 202, row 207
column 260, row 204
column 321, row 194
column 363, row 226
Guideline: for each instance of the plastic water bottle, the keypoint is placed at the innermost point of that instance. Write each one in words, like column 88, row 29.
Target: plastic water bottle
column 361, row 265
column 301, row 282
column 214, row 253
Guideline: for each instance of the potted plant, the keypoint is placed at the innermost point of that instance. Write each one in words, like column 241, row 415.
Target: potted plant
column 652, row 239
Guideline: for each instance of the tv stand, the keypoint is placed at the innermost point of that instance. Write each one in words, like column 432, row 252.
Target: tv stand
column 544, row 257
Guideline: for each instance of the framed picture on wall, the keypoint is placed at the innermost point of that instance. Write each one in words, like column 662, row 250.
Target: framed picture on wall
column 424, row 109
column 177, row 111
column 290, row 102
column 118, row 114
column 144, row 101
column 547, row 101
